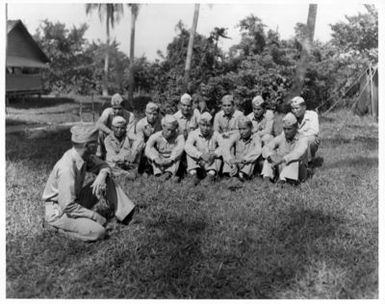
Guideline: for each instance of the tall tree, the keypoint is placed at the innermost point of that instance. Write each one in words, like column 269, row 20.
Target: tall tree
column 112, row 13
column 190, row 47
column 306, row 42
column 134, row 14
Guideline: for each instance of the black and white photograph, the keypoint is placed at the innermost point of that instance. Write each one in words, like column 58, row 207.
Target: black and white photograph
column 190, row 151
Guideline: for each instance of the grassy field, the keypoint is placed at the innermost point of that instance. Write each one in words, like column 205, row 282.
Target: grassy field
column 318, row 240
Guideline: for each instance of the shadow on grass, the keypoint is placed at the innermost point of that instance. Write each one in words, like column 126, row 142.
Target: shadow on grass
column 307, row 238
column 16, row 121
column 36, row 102
column 40, row 145
column 326, row 119
column 41, row 261
column 357, row 162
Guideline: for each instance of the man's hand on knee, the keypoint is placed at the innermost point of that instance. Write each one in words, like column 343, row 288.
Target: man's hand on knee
column 101, row 220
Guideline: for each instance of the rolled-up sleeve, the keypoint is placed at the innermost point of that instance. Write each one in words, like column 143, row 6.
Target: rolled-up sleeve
column 102, row 121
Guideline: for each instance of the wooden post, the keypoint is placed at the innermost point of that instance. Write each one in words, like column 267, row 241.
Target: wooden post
column 93, row 108
column 80, row 111
column 190, row 49
column 371, row 91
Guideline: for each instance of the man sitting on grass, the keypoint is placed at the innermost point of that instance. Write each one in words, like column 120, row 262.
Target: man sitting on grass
column 242, row 151
column 226, row 120
column 105, row 121
column 122, row 154
column 285, row 156
column 262, row 119
column 164, row 149
column 308, row 124
column 82, row 212
column 203, row 150
column 187, row 116
column 145, row 127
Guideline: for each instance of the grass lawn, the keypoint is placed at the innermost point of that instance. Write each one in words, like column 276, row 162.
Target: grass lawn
column 318, row 240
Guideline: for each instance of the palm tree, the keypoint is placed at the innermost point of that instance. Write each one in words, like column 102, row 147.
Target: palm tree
column 307, row 44
column 190, row 47
column 134, row 14
column 112, row 12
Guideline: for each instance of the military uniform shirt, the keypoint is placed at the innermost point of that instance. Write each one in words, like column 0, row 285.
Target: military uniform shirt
column 143, row 124
column 226, row 124
column 290, row 150
column 309, row 125
column 187, row 124
column 105, row 120
column 66, row 180
column 263, row 126
column 157, row 146
column 197, row 144
column 248, row 150
column 119, row 150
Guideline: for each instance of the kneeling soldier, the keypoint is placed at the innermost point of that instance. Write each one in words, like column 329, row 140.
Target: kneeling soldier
column 203, row 150
column 242, row 151
column 69, row 206
column 122, row 153
column 285, row 156
column 164, row 148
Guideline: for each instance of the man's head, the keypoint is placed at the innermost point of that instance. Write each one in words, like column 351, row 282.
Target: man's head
column 245, row 127
column 85, row 139
column 169, row 126
column 152, row 112
column 298, row 107
column 119, row 125
column 117, row 104
column 228, row 104
column 186, row 106
column 258, row 106
column 205, row 124
column 202, row 105
column 290, row 125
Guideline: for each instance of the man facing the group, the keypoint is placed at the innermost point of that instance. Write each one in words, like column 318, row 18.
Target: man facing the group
column 82, row 211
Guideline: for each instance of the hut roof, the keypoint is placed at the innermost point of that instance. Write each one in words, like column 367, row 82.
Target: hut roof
column 22, row 49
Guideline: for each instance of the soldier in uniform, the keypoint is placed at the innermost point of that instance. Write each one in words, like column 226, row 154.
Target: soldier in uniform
column 79, row 211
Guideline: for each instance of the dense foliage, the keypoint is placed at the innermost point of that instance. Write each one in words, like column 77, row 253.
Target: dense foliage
column 261, row 63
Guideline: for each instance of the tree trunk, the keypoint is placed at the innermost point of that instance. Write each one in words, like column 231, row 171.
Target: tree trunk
column 106, row 60
column 307, row 44
column 131, row 80
column 190, row 48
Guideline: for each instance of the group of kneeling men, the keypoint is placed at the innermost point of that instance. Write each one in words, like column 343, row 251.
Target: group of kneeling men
column 231, row 144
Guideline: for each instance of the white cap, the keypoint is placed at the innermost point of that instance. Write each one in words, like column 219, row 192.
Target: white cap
column 296, row 101
column 118, row 121
column 288, row 120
